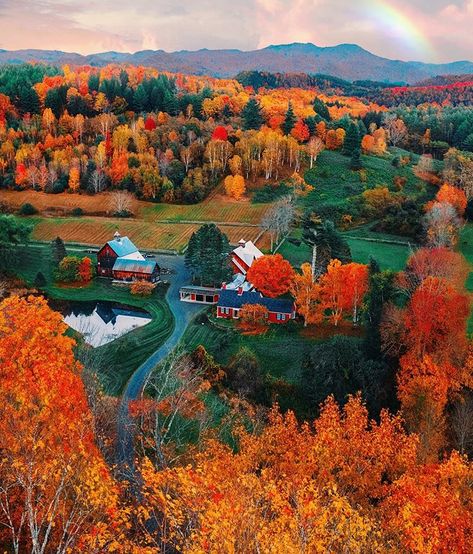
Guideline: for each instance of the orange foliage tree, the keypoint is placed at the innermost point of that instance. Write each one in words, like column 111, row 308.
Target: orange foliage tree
column 55, row 489
column 253, row 318
column 85, row 270
column 272, row 275
column 346, row 484
column 306, row 293
column 343, row 288
column 142, row 288
column 454, row 196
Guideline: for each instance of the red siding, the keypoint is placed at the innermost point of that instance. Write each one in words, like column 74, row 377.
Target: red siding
column 272, row 317
column 236, row 269
column 105, row 259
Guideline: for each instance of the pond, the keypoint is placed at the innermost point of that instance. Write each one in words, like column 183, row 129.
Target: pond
column 101, row 322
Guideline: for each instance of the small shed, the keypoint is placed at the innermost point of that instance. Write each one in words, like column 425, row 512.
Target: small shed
column 199, row 295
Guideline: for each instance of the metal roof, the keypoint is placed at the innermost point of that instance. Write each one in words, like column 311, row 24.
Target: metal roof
column 231, row 299
column 199, row 289
column 122, row 246
column 134, row 266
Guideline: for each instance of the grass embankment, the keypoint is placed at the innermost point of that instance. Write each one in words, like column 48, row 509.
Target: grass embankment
column 280, row 351
column 116, row 361
column 335, row 183
column 363, row 245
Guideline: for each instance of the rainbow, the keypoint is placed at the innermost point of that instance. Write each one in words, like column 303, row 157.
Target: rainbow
column 401, row 25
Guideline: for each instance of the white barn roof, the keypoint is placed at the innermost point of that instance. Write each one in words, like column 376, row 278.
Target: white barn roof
column 248, row 252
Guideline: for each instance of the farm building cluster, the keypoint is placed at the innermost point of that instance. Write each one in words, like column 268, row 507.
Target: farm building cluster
column 121, row 260
column 232, row 296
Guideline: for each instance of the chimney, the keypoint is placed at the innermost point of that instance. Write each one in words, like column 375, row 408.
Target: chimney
column 240, row 291
column 242, row 243
column 224, row 286
column 117, row 236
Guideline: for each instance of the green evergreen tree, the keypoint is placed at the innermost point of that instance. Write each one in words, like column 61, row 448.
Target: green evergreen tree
column 39, row 281
column 326, row 243
column 140, row 99
column 352, row 140
column 381, row 290
column 28, row 100
column 58, row 251
column 207, row 256
column 289, row 120
column 251, row 115
column 355, row 163
column 321, row 109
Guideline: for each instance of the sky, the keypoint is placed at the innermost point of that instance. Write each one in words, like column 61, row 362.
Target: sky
column 424, row 30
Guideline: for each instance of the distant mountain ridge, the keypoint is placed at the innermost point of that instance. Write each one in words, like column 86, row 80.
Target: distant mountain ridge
column 348, row 61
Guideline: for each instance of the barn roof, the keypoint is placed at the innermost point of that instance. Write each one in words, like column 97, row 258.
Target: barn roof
column 248, row 252
column 122, row 246
column 231, row 299
column 135, row 266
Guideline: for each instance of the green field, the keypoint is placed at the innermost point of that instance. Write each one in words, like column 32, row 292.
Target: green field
column 116, row 361
column 334, row 182
column 362, row 244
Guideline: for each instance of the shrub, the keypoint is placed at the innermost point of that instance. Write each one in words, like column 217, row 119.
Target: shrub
column 270, row 193
column 77, row 212
column 253, row 318
column 244, row 375
column 68, row 269
column 142, row 288
column 27, row 209
column 72, row 269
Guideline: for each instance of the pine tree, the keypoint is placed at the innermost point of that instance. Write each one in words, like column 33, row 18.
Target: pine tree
column 140, row 99
column 290, row 120
column 252, row 116
column 207, row 256
column 28, row 100
column 39, row 281
column 58, row 250
column 321, row 109
column 355, row 163
column 326, row 243
column 381, row 290
column 352, row 140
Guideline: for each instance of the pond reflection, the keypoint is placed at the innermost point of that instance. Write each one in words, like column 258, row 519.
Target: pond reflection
column 101, row 322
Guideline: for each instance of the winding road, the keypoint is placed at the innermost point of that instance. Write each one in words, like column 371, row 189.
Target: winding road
column 183, row 313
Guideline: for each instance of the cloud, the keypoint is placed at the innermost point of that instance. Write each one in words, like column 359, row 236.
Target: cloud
column 89, row 26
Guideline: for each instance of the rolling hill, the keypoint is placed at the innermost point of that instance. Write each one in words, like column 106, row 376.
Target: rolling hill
column 348, row 61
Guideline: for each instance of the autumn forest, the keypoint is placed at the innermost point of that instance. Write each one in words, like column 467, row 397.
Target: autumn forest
column 293, row 255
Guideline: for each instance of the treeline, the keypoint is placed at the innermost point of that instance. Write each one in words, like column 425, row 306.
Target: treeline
column 327, row 84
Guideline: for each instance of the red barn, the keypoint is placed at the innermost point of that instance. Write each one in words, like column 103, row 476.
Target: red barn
column 244, row 255
column 281, row 310
column 121, row 260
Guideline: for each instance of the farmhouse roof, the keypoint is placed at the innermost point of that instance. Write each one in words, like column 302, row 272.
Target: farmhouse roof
column 135, row 266
column 248, row 252
column 122, row 246
column 232, row 299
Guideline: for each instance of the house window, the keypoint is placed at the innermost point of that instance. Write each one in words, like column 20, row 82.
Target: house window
column 281, row 317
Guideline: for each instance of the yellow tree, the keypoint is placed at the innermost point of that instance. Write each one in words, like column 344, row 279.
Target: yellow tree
column 235, row 186
column 306, row 294
column 74, row 179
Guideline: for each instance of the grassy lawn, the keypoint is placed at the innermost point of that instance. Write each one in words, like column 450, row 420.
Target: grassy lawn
column 116, row 361
column 334, row 182
column 389, row 255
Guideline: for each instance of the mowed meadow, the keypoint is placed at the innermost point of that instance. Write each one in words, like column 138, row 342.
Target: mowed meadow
column 153, row 226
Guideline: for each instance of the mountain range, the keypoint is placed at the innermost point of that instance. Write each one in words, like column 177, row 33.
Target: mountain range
column 348, row 61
